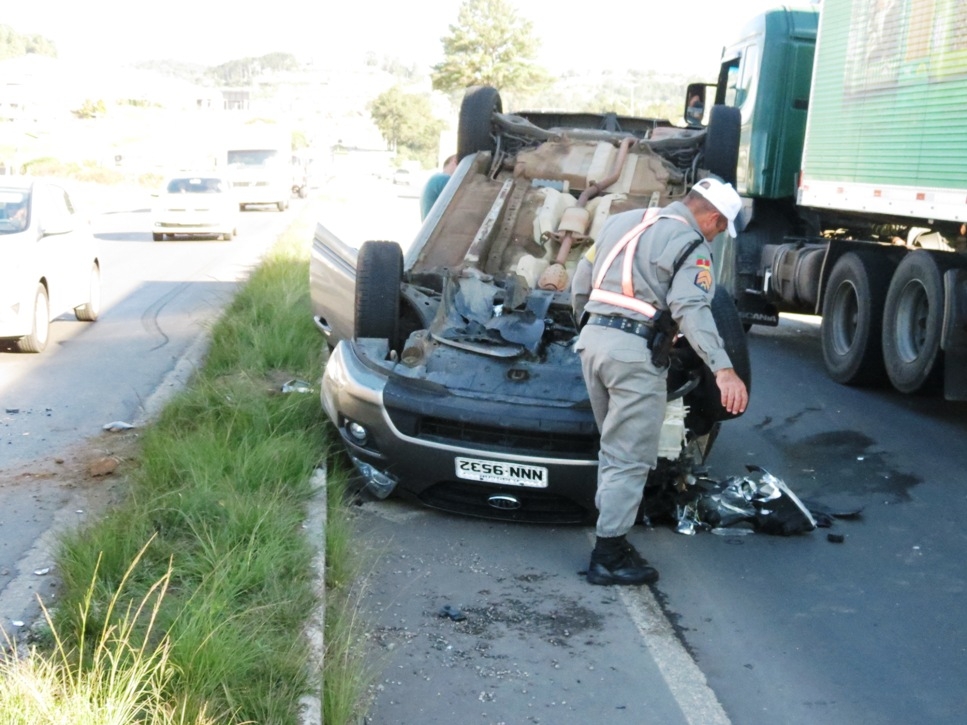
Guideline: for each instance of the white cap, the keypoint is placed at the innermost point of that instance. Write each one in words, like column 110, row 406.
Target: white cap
column 723, row 197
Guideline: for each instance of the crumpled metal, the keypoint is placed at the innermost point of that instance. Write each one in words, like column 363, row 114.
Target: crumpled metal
column 766, row 505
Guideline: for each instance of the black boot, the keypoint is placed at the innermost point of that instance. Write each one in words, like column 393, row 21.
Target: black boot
column 615, row 561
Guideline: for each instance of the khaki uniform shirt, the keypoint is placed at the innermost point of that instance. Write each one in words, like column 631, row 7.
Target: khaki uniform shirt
column 690, row 294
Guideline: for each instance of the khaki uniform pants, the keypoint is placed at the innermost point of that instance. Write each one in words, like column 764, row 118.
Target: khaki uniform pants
column 628, row 396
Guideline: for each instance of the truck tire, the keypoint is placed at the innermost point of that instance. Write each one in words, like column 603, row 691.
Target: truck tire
column 379, row 272
column 912, row 320
column 722, row 142
column 852, row 326
column 475, row 125
column 705, row 401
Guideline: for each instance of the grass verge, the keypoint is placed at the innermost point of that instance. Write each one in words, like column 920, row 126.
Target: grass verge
column 211, row 534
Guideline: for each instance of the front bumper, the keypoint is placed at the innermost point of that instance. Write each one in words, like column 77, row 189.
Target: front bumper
column 407, row 435
column 193, row 227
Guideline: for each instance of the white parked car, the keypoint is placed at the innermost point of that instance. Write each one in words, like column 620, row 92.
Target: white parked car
column 48, row 261
column 195, row 205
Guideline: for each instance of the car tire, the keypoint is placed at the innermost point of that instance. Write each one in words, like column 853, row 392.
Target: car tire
column 379, row 272
column 475, row 124
column 705, row 401
column 912, row 324
column 722, row 142
column 36, row 341
column 157, row 237
column 852, row 324
column 89, row 311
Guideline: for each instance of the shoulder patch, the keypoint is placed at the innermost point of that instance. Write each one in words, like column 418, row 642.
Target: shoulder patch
column 703, row 262
column 703, row 280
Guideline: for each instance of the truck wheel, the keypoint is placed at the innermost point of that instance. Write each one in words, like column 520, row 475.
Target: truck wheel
column 475, row 125
column 89, row 311
column 853, row 319
column 722, row 142
column 911, row 324
column 705, row 401
column 36, row 341
column 379, row 272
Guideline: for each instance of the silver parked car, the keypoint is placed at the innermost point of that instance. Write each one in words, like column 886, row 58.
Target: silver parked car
column 49, row 263
column 452, row 377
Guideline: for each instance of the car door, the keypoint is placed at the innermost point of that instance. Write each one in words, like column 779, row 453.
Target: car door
column 332, row 285
column 62, row 248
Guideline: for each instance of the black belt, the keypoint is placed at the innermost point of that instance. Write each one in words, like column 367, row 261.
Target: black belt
column 635, row 327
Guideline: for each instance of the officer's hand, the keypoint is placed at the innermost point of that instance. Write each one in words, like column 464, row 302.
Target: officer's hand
column 735, row 396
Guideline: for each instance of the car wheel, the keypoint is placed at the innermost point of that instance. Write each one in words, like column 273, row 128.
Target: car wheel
column 853, row 319
column 36, row 341
column 705, row 401
column 281, row 205
column 157, row 237
column 722, row 142
column 912, row 324
column 242, row 207
column 379, row 272
column 89, row 311
column 475, row 124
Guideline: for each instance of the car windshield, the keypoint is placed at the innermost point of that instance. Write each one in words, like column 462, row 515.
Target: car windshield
column 255, row 157
column 196, row 185
column 14, row 206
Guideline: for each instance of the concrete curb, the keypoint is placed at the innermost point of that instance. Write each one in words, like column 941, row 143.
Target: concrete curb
column 310, row 705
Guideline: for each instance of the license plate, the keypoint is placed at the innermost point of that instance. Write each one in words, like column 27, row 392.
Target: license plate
column 503, row 472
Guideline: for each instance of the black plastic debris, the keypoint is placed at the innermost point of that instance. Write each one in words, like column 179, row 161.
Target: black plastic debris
column 766, row 505
column 835, row 538
column 448, row 610
column 825, row 514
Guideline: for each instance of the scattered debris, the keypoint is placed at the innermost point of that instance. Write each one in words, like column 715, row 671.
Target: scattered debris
column 448, row 610
column 835, row 538
column 296, row 386
column 117, row 426
column 739, row 506
column 42, row 572
column 103, row 466
column 12, row 410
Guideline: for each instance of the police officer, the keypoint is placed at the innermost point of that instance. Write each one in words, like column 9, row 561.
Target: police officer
column 648, row 268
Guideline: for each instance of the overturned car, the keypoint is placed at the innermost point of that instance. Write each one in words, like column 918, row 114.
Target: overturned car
column 451, row 377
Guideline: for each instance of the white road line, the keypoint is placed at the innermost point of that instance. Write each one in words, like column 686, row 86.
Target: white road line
column 684, row 678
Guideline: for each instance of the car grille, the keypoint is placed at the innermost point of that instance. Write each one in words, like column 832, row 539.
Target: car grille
column 471, row 500
column 538, row 443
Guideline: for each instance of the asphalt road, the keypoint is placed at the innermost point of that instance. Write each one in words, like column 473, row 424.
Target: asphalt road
column 158, row 301
column 742, row 629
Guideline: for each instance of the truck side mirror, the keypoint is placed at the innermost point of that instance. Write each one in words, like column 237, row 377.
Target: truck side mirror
column 695, row 105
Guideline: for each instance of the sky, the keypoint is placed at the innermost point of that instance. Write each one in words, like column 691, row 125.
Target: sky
column 620, row 34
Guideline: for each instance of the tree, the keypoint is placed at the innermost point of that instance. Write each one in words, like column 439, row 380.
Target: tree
column 243, row 71
column 489, row 45
column 406, row 121
column 14, row 45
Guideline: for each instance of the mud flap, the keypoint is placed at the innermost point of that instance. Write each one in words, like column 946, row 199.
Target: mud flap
column 953, row 337
column 755, row 309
